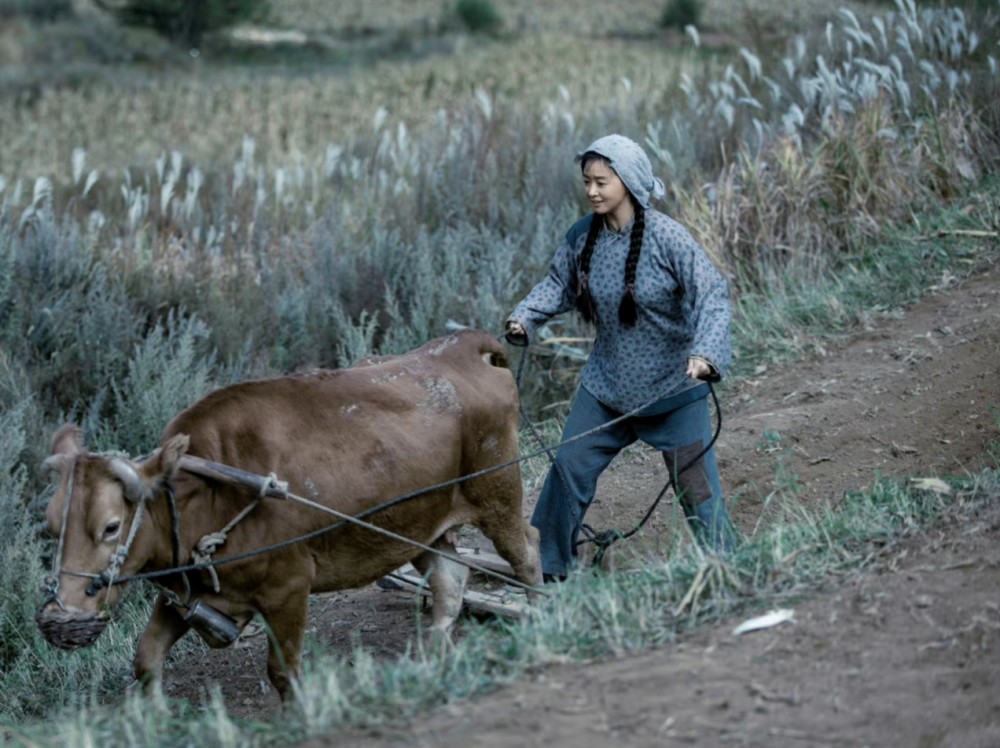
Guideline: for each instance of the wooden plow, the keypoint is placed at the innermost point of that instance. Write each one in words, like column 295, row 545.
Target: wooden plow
column 506, row 600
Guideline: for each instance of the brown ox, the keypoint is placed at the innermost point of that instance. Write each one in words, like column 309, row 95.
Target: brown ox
column 349, row 439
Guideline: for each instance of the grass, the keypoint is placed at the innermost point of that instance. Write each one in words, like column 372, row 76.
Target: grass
column 591, row 616
column 794, row 315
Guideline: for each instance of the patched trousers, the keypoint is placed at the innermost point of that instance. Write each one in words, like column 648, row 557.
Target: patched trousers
column 678, row 426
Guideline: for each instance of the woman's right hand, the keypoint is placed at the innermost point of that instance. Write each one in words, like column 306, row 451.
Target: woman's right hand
column 515, row 333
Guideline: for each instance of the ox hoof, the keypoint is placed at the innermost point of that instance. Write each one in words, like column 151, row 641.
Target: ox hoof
column 438, row 638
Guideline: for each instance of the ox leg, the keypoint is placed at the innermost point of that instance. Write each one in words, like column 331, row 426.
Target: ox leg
column 165, row 627
column 447, row 583
column 518, row 545
column 287, row 624
column 515, row 540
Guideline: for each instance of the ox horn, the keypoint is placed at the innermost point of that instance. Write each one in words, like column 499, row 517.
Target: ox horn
column 55, row 463
column 135, row 488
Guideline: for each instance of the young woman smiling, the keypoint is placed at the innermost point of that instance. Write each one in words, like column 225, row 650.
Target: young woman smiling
column 661, row 313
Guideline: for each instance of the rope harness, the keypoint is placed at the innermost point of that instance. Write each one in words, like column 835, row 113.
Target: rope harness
column 108, row 577
column 271, row 487
column 50, row 583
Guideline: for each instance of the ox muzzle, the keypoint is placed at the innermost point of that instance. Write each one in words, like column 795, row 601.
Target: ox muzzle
column 71, row 628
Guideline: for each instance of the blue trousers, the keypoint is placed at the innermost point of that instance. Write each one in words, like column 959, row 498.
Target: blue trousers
column 678, row 426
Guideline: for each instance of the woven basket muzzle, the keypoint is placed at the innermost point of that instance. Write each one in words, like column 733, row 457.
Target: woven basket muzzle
column 71, row 629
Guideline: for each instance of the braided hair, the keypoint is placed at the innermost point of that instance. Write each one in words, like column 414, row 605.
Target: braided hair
column 627, row 310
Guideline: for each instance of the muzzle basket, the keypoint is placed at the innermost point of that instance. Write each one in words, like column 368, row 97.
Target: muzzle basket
column 71, row 629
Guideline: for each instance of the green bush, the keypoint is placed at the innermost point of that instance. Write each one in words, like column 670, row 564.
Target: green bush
column 21, row 552
column 63, row 316
column 167, row 372
column 36, row 10
column 184, row 22
column 479, row 16
column 681, row 13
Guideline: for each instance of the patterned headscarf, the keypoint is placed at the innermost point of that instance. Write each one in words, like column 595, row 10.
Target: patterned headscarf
column 631, row 164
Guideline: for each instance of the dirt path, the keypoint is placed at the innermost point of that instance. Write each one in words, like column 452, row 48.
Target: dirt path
column 910, row 656
column 907, row 656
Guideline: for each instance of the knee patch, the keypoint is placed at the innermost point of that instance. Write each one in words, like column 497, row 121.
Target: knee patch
column 692, row 485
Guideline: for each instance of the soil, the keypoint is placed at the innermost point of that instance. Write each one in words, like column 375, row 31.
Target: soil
column 907, row 653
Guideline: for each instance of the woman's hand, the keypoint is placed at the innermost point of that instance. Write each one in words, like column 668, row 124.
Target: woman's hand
column 698, row 368
column 515, row 333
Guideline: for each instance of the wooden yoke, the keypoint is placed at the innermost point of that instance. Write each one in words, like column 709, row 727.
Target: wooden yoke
column 262, row 485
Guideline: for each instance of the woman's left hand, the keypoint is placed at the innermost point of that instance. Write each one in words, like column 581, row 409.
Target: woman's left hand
column 698, row 369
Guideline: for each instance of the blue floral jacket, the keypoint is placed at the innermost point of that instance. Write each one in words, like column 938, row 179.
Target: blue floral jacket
column 683, row 310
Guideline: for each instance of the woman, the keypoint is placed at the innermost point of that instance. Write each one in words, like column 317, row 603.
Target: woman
column 662, row 316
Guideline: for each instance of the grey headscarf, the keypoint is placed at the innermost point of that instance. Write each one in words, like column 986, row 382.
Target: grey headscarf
column 631, row 164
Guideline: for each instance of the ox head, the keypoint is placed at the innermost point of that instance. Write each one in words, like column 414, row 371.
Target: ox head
column 92, row 512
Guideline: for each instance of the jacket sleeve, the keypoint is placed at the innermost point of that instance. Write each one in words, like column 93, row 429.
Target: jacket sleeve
column 556, row 293
column 707, row 296
column 551, row 296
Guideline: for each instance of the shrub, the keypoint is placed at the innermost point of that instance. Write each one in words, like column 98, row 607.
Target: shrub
column 36, row 10
column 20, row 570
column 681, row 13
column 479, row 16
column 167, row 372
column 63, row 316
column 183, row 21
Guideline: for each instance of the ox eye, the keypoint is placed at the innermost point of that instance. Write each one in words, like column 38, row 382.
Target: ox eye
column 112, row 530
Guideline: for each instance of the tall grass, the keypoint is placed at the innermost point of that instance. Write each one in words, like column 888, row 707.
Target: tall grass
column 393, row 229
column 569, row 18
column 794, row 314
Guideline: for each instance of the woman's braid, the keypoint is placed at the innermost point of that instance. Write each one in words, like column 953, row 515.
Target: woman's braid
column 584, row 300
column 627, row 312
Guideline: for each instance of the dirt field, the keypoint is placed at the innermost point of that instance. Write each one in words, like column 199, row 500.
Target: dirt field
column 906, row 655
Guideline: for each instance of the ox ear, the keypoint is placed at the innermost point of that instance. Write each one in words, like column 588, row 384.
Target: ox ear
column 68, row 441
column 164, row 462
column 173, row 450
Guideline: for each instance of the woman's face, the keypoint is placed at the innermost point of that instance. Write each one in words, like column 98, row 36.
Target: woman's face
column 607, row 193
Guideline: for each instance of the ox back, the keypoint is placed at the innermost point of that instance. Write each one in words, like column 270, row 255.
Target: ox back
column 352, row 438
